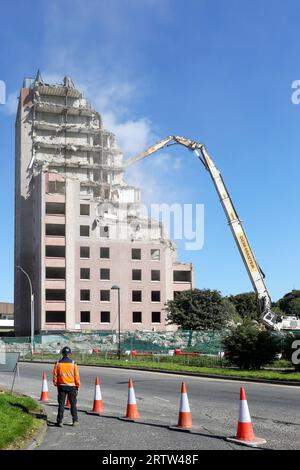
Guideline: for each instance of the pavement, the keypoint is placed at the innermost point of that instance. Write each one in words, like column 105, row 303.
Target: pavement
column 214, row 404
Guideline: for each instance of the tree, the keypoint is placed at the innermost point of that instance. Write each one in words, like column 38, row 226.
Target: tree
column 250, row 347
column 290, row 303
column 246, row 305
column 197, row 309
column 276, row 309
column 294, row 308
column 232, row 313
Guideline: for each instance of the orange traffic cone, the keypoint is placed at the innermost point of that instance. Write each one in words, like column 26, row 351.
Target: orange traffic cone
column 44, row 393
column 185, row 415
column 245, row 434
column 244, row 428
column 98, row 403
column 132, row 411
column 68, row 404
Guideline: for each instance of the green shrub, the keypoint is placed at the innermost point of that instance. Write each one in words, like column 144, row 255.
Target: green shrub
column 249, row 347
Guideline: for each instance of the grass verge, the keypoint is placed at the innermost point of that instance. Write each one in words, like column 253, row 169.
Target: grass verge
column 253, row 374
column 17, row 424
column 177, row 366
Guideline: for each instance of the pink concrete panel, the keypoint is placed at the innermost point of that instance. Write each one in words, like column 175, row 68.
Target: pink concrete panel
column 55, row 262
column 54, row 219
column 54, row 326
column 55, row 305
column 55, row 241
column 182, row 266
column 55, row 198
column 55, row 284
column 181, row 286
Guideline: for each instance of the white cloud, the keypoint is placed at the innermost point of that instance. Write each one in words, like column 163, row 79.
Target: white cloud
column 133, row 135
column 114, row 96
column 152, row 189
column 113, row 83
column 177, row 163
column 110, row 75
column 166, row 162
column 153, row 177
column 162, row 162
column 105, row 82
column 113, row 101
column 11, row 105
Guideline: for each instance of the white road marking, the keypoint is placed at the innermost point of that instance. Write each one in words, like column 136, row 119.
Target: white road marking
column 163, row 399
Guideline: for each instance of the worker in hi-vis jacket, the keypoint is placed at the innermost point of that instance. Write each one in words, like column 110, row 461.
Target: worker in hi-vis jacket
column 66, row 379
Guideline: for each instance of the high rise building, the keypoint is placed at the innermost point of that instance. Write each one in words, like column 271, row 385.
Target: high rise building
column 79, row 228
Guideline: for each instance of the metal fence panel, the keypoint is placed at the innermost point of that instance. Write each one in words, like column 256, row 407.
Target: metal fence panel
column 206, row 342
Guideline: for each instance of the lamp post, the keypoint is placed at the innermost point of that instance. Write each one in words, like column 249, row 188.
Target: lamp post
column 119, row 320
column 31, row 308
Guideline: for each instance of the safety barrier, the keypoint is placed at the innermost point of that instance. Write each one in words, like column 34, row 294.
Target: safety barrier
column 205, row 342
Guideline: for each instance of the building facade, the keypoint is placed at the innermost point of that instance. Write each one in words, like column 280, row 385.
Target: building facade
column 6, row 317
column 79, row 228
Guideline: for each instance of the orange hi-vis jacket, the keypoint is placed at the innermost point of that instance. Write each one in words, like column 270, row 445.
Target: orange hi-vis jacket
column 65, row 372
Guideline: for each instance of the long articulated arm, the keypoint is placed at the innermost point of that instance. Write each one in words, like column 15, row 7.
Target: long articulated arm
column 154, row 148
column 269, row 318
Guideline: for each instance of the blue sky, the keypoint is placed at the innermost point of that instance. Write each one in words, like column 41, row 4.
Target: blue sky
column 217, row 71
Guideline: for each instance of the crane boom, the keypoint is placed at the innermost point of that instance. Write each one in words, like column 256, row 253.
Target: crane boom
column 269, row 318
column 154, row 148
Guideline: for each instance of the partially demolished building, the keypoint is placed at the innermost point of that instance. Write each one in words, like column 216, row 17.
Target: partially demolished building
column 79, row 229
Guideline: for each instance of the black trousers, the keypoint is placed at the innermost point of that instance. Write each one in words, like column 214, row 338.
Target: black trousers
column 71, row 392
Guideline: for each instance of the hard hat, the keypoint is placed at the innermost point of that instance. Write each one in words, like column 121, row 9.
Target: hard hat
column 66, row 351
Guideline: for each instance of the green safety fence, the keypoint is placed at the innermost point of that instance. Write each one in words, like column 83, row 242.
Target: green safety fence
column 206, row 342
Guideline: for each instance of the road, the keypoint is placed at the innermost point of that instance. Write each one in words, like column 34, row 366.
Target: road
column 214, row 404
